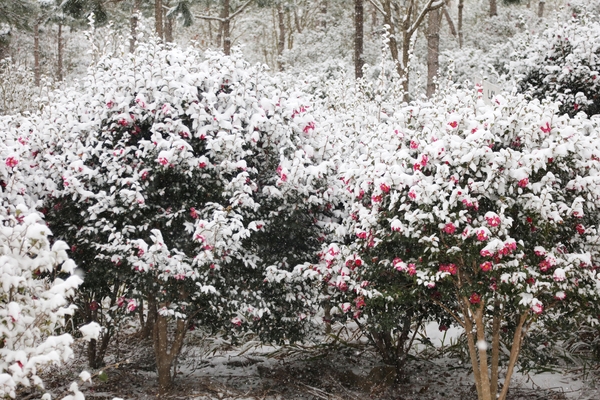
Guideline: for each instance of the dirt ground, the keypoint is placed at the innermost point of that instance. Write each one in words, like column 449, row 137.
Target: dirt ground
column 215, row 370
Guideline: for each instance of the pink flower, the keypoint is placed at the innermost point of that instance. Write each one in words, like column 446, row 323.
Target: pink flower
column 360, row 302
column 163, row 161
column 559, row 275
column 346, row 307
column 580, row 229
column 121, row 301
column 193, row 213
column 412, row 269
column 123, row 122
column 492, row 219
column 560, row 295
column 110, row 104
column 361, row 235
column 283, row 177
column 486, row 266
column 453, row 124
column 412, row 194
column 364, row 284
column 430, row 285
column 140, row 252
column 482, row 235
column 537, row 307
column 179, row 277
column 414, row 144
column 424, row 159
column 236, row 321
column 417, row 167
column 399, row 264
column 384, row 188
column 539, row 251
column 11, row 162
column 449, row 228
column 310, row 126
column 144, row 175
column 343, row 286
column 450, row 268
column 131, row 305
column 546, row 128
column 475, row 298
column 523, row 182
column 396, row 225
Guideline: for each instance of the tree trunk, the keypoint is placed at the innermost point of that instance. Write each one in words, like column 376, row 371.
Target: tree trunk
column 166, row 352
column 323, row 9
column 541, row 9
column 461, row 5
column 36, row 52
column 147, row 324
column 226, row 28
column 433, row 49
column 134, row 23
column 281, row 35
column 168, row 29
column 493, row 8
column 392, row 43
column 158, row 18
column 358, row 38
column 290, row 29
column 59, row 56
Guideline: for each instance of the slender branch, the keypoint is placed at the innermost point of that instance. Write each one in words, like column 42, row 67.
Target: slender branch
column 240, row 10
column 210, row 17
column 449, row 311
column 449, row 20
column 429, row 7
column 378, row 7
column 514, row 354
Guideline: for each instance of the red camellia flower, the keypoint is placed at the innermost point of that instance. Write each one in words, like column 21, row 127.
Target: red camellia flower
column 580, row 229
column 449, row 228
column 11, row 162
column 486, row 266
column 475, row 298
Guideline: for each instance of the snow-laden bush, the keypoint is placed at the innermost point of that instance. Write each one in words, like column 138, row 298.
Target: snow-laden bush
column 562, row 64
column 188, row 184
column 35, row 274
column 491, row 210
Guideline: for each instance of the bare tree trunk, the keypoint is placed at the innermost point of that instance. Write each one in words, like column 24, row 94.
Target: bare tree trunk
column 281, row 35
column 158, row 18
column 541, row 8
column 493, row 8
column 36, row 52
column 226, row 28
column 290, row 29
column 461, row 5
column 134, row 24
column 359, row 20
column 323, row 14
column 433, row 49
column 392, row 43
column 59, row 56
column 168, row 29
column 167, row 351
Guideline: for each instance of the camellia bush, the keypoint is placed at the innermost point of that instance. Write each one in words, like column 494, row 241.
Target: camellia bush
column 187, row 183
column 562, row 64
column 36, row 275
column 488, row 212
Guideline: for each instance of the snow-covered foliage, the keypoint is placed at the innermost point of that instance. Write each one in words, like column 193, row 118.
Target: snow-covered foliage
column 481, row 206
column 36, row 274
column 194, row 180
column 562, row 64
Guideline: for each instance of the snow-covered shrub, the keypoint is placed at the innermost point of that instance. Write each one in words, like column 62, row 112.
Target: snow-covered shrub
column 35, row 274
column 192, row 178
column 562, row 64
column 491, row 210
